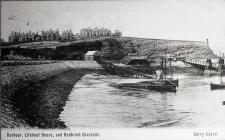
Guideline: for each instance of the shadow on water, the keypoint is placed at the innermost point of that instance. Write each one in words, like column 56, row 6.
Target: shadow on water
column 139, row 93
column 167, row 117
column 135, row 92
column 40, row 103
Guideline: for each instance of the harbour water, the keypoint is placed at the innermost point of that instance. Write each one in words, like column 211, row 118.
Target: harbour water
column 94, row 103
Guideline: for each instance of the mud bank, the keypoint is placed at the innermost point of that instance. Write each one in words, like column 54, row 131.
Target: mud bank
column 33, row 96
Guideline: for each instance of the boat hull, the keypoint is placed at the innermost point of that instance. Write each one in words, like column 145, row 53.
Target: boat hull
column 216, row 86
column 169, row 88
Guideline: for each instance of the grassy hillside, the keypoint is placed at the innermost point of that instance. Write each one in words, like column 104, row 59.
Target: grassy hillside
column 156, row 47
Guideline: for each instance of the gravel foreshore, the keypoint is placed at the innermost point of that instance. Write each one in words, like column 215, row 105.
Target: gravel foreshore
column 21, row 85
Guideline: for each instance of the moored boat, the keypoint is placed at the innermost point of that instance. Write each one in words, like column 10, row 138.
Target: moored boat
column 217, row 86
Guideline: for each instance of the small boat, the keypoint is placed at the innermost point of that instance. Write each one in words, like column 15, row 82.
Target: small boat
column 217, row 86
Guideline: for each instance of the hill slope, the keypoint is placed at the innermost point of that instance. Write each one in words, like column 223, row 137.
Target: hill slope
column 156, row 47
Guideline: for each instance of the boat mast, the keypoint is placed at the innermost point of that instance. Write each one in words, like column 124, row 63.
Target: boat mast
column 221, row 67
column 165, row 67
column 221, row 76
column 170, row 65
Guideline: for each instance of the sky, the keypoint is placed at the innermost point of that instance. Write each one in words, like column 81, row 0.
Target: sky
column 161, row 19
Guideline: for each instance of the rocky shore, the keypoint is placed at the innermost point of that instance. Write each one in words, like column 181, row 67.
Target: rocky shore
column 33, row 95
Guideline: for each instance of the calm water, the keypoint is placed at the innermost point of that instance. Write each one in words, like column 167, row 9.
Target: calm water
column 94, row 103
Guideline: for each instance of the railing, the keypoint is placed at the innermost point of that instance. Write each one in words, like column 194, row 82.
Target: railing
column 194, row 61
column 202, row 64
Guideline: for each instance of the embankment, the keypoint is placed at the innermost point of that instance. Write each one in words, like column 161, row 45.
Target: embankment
column 33, row 95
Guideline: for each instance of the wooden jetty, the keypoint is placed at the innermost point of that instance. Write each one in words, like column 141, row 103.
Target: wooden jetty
column 200, row 64
column 207, row 66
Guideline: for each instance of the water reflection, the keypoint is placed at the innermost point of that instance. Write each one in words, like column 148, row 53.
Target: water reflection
column 94, row 103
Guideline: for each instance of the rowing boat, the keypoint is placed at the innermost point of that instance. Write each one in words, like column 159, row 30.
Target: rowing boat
column 217, row 86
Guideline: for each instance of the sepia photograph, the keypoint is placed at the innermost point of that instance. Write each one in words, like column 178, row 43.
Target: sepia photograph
column 110, row 69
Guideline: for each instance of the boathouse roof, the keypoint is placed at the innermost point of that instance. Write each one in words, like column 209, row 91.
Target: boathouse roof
column 91, row 52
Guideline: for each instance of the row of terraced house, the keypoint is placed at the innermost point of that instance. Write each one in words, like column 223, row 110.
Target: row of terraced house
column 54, row 35
column 49, row 35
column 92, row 32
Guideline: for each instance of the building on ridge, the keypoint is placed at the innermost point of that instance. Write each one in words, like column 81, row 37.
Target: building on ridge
column 67, row 35
column 95, row 32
